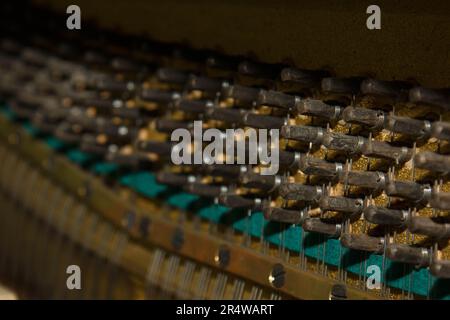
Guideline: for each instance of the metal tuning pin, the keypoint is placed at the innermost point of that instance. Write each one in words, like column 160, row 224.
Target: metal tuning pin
column 434, row 97
column 441, row 130
column 64, row 132
column 283, row 215
column 10, row 46
column 258, row 70
column 262, row 121
column 241, row 94
column 342, row 142
column 61, row 67
column 341, row 85
column 276, row 99
column 408, row 189
column 228, row 115
column 205, row 190
column 396, row 90
column 99, row 103
column 300, row 192
column 427, row 227
column 307, row 134
column 440, row 200
column 222, row 63
column 256, row 181
column 174, row 179
column 94, row 58
column 364, row 179
column 79, row 98
column 341, row 204
column 132, row 159
column 303, row 78
column 169, row 75
column 440, row 268
column 44, row 122
column 169, row 125
column 125, row 65
column 160, row 148
column 34, row 57
column 158, row 96
column 193, row 106
column 318, row 108
column 362, row 242
column 115, row 85
column 89, row 144
column 418, row 129
column 128, row 113
column 190, row 56
column 289, row 159
column 385, row 216
column 118, row 133
column 432, row 161
column 318, row 226
column 223, row 170
column 373, row 119
column 407, row 254
column 314, row 166
column 237, row 201
column 204, row 84
column 381, row 149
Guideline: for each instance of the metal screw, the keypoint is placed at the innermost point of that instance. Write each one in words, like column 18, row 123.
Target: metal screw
column 129, row 220
column 144, row 226
column 177, row 239
column 338, row 292
column 277, row 276
column 223, row 256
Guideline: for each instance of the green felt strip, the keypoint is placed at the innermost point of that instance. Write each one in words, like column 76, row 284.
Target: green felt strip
column 7, row 112
column 104, row 168
column 33, row 131
column 79, row 157
column 54, row 143
column 143, row 183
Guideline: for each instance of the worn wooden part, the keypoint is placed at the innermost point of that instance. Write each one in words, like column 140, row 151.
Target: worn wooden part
column 283, row 215
column 319, row 226
column 385, row 216
column 341, row 204
column 300, row 192
column 426, row 226
column 362, row 242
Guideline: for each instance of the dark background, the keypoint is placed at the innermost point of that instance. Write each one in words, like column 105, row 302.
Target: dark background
column 413, row 43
